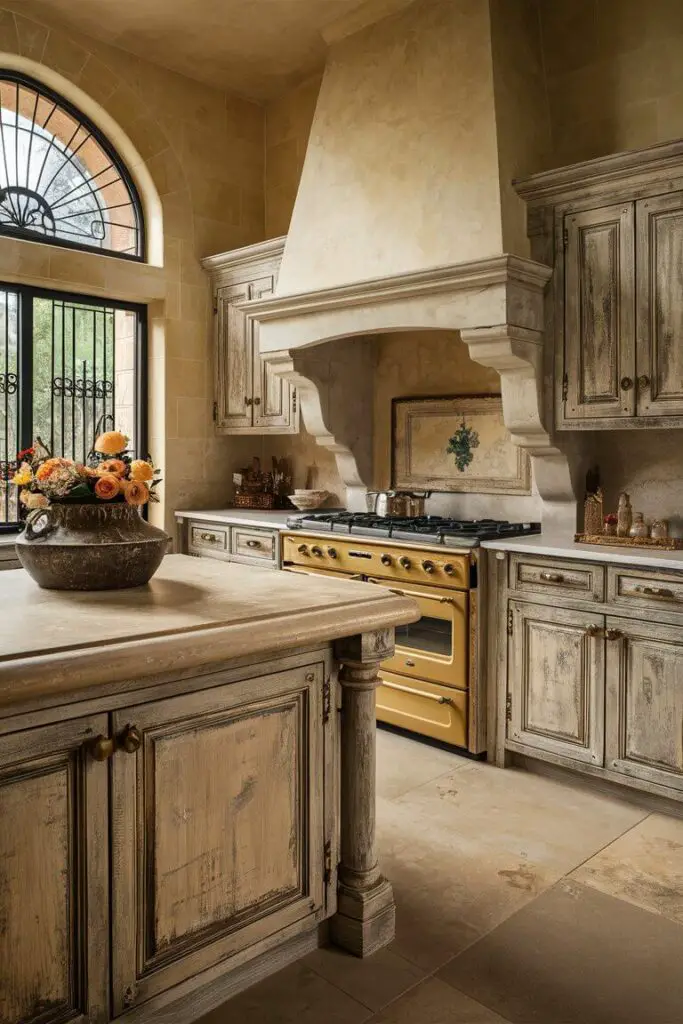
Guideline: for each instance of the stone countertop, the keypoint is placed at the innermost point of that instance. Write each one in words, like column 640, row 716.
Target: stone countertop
column 559, row 547
column 275, row 520
column 194, row 614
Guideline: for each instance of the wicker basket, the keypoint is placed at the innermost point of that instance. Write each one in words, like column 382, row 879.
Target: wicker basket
column 255, row 500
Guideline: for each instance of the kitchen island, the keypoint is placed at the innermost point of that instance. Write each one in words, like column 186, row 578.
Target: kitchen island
column 184, row 811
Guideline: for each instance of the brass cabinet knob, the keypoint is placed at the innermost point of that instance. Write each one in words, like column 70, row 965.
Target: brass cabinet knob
column 626, row 383
column 211, row 537
column 643, row 381
column 248, row 401
column 593, row 630
column 253, row 543
column 614, row 634
column 257, row 401
column 101, row 748
column 130, row 739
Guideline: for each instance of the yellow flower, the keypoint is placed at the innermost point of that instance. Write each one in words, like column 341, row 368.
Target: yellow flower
column 141, row 470
column 111, row 443
column 23, row 476
column 135, row 493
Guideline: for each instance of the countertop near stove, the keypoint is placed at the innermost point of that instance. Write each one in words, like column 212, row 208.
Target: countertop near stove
column 275, row 520
column 558, row 547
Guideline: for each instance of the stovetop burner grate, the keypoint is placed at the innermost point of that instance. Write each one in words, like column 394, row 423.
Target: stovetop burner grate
column 434, row 529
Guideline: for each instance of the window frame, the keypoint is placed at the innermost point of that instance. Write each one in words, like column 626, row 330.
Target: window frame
column 26, row 294
column 9, row 75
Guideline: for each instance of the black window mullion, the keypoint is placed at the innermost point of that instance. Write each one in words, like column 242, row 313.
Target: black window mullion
column 25, row 362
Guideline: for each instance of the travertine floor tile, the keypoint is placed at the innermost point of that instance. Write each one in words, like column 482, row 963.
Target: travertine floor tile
column 296, row 995
column 375, row 981
column 576, row 956
column 403, row 764
column 644, row 866
column 433, row 1002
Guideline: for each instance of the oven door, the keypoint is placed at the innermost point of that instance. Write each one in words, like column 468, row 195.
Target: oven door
column 435, row 647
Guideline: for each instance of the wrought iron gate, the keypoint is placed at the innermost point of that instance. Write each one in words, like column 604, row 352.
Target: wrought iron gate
column 65, row 362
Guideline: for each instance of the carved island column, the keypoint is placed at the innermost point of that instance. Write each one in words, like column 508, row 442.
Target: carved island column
column 365, row 918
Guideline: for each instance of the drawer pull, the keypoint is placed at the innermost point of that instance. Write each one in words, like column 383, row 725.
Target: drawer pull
column 130, row 740
column 101, row 748
column 446, row 600
column 655, row 592
column 593, row 630
column 613, row 634
column 410, row 664
column 419, row 693
column 253, row 543
column 552, row 577
column 211, row 537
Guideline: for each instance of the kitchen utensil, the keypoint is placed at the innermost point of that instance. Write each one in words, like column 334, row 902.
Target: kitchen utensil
column 396, row 503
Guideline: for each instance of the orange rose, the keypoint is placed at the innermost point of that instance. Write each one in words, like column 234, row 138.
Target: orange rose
column 111, row 443
column 136, row 493
column 115, row 466
column 107, row 487
column 142, row 470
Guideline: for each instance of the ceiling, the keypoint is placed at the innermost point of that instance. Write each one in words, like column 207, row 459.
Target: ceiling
column 253, row 47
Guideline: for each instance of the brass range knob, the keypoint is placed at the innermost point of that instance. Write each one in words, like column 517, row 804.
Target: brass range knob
column 302, row 549
column 386, row 559
column 332, row 552
column 428, row 565
column 317, row 551
column 449, row 569
column 404, row 562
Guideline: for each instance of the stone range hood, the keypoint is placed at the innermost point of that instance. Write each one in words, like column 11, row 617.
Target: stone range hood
column 402, row 221
column 497, row 306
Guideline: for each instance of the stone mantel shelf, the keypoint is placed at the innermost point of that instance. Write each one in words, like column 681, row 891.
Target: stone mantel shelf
column 475, row 274
column 194, row 613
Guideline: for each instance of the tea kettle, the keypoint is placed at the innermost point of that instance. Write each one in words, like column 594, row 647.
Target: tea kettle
column 396, row 503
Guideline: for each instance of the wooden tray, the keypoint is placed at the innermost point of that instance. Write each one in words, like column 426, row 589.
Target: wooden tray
column 664, row 543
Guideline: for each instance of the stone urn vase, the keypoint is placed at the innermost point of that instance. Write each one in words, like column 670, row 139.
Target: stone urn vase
column 90, row 547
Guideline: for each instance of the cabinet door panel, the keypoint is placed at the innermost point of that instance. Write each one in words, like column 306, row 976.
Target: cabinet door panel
column 660, row 305
column 233, row 359
column 645, row 702
column 273, row 406
column 53, row 877
column 599, row 314
column 218, row 828
column 556, row 683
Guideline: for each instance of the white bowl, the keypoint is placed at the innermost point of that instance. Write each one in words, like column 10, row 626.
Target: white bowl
column 307, row 500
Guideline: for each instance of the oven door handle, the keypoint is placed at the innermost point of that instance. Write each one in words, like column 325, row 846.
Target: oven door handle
column 413, row 593
column 418, row 693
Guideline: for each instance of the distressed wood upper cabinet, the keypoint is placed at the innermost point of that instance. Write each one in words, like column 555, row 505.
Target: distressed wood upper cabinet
column 54, row 925
column 599, row 349
column 613, row 230
column 249, row 397
column 645, row 701
column 556, row 695
column 217, row 827
column 660, row 305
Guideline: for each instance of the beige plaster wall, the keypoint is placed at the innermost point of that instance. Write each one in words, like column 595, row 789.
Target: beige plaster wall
column 204, row 152
column 401, row 167
column 615, row 74
column 288, row 121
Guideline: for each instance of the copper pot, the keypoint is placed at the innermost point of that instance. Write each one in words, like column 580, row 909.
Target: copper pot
column 396, row 503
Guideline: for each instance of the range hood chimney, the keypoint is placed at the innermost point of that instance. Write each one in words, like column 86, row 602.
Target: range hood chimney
column 406, row 219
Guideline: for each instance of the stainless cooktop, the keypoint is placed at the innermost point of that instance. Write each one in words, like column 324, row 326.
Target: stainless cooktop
column 452, row 533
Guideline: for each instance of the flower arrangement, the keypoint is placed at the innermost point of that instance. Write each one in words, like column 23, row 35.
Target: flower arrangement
column 109, row 475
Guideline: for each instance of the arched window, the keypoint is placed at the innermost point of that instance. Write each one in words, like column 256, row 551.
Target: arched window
column 60, row 179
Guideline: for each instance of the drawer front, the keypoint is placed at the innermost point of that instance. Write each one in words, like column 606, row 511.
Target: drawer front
column 643, row 589
column 426, row 708
column 548, row 576
column 253, row 543
column 207, row 539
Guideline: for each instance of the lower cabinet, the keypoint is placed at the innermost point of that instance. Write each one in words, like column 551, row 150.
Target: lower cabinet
column 556, row 683
column 54, row 876
column 199, row 838
column 645, row 702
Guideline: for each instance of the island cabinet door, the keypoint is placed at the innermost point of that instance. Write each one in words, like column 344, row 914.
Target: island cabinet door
column 556, row 685
column 54, row 925
column 217, row 822
column 645, row 701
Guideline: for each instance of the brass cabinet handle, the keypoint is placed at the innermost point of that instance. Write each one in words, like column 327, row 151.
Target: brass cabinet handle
column 101, row 748
column 211, row 537
column 130, row 739
column 552, row 577
column 643, row 381
column 446, row 600
column 656, row 591
column 593, row 630
column 613, row 634
column 253, row 543
column 418, row 693
column 626, row 383
column 248, row 401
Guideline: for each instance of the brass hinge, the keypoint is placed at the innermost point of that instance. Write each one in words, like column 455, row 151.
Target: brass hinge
column 215, row 412
column 565, row 387
column 293, row 399
column 508, row 707
column 327, row 699
column 510, row 621
column 327, row 863
column 565, row 238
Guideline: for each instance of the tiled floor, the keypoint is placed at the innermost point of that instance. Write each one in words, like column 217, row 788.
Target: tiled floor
column 519, row 899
